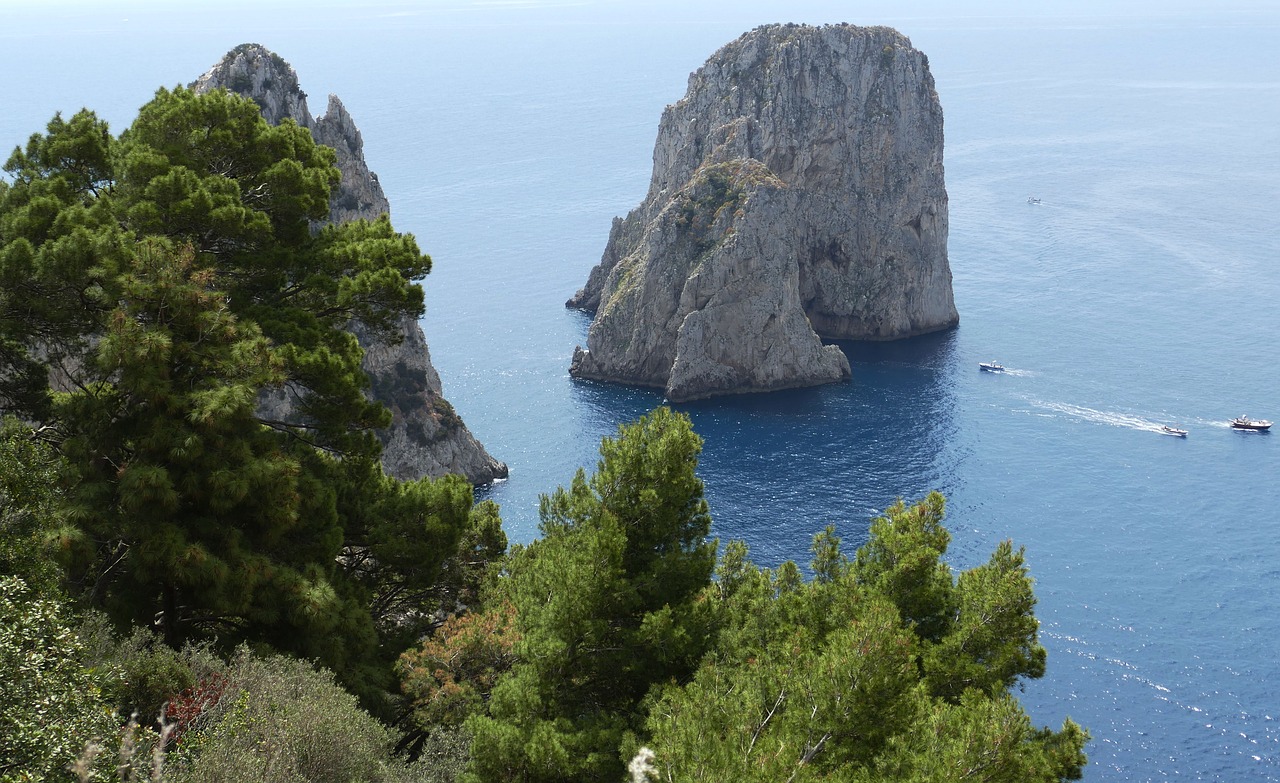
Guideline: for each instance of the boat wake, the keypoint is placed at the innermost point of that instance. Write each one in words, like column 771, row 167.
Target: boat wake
column 1018, row 373
column 1110, row 418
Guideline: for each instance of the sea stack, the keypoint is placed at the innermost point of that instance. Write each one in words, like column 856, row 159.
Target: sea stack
column 426, row 436
column 797, row 194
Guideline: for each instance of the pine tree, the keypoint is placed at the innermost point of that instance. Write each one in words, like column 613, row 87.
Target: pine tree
column 881, row 669
column 606, row 608
column 154, row 289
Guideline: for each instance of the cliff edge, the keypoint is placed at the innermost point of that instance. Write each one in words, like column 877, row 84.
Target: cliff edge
column 797, row 193
column 426, row 436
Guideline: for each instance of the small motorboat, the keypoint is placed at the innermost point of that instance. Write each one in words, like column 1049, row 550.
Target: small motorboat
column 991, row 366
column 1032, row 200
column 1174, row 431
column 1246, row 423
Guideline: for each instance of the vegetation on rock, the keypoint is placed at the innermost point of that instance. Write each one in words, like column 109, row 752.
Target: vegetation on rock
column 251, row 590
column 152, row 287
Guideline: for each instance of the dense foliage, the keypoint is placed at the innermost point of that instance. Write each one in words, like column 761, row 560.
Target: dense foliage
column 281, row 719
column 155, row 290
column 882, row 669
column 607, row 640
column 163, row 292
column 50, row 705
column 610, row 633
column 605, row 606
column 29, row 498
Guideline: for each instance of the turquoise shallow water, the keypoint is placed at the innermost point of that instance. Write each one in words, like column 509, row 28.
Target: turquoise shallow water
column 1141, row 291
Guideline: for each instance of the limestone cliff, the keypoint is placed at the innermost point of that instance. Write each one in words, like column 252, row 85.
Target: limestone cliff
column 797, row 192
column 426, row 436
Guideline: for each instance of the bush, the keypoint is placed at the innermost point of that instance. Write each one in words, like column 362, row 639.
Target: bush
column 442, row 757
column 138, row 673
column 281, row 720
column 452, row 674
column 49, row 705
column 28, row 494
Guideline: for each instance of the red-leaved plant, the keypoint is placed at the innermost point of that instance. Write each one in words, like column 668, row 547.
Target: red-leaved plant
column 187, row 707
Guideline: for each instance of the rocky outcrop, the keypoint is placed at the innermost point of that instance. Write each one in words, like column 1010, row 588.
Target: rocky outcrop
column 797, row 193
column 426, row 437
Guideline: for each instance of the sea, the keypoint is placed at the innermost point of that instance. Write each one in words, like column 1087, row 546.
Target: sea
column 1141, row 289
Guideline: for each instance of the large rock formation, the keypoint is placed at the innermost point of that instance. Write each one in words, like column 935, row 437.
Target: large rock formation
column 426, row 436
column 797, row 191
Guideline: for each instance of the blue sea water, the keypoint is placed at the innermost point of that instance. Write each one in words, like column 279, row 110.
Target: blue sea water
column 1142, row 290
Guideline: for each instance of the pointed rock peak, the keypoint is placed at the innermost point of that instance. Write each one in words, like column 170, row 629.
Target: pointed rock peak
column 426, row 436
column 336, row 127
column 335, row 111
column 264, row 77
column 256, row 72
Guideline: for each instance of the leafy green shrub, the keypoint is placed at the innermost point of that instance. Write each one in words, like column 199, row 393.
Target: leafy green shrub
column 49, row 704
column 28, row 474
column 137, row 672
column 442, row 758
column 281, row 720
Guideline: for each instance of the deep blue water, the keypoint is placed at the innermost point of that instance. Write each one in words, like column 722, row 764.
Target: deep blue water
column 1142, row 290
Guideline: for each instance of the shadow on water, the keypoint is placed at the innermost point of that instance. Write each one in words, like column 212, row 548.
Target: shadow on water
column 781, row 466
column 600, row 407
column 936, row 349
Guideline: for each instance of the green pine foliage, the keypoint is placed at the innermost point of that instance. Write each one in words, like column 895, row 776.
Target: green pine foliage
column 154, row 289
column 606, row 607
column 884, row 668
column 608, row 640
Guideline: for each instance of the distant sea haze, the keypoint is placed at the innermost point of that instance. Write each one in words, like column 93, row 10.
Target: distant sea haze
column 1140, row 291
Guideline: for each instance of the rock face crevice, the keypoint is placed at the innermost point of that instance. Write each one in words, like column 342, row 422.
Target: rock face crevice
column 797, row 193
column 426, row 436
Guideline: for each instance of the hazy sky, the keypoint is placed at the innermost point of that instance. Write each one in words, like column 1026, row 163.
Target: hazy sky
column 109, row 53
column 681, row 9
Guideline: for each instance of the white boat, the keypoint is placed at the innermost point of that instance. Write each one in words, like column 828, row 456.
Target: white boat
column 1246, row 423
column 991, row 366
column 1174, row 431
column 1032, row 200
